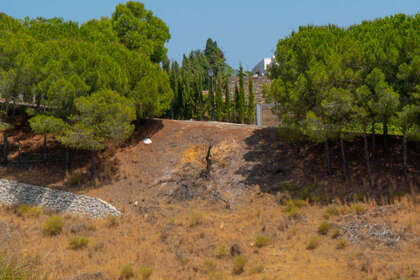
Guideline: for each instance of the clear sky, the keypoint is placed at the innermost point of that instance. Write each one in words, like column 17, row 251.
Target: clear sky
column 246, row 30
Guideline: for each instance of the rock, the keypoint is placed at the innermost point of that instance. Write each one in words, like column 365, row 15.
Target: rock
column 235, row 250
column 14, row 193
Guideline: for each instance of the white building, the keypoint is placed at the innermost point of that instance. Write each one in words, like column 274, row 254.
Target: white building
column 261, row 67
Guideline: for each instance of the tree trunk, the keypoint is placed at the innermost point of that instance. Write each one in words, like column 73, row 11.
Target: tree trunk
column 5, row 148
column 67, row 160
column 92, row 167
column 44, row 152
column 385, row 135
column 208, row 160
column 369, row 172
column 327, row 156
column 373, row 141
column 343, row 155
column 405, row 168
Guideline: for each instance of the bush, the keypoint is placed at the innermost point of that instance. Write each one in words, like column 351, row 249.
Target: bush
column 53, row 226
column 331, row 211
column 293, row 207
column 341, row 244
column 195, row 219
column 28, row 211
column 324, row 228
column 336, row 234
column 145, row 273
column 256, row 269
column 262, row 241
column 221, row 252
column 10, row 271
column 209, row 266
column 313, row 243
column 112, row 221
column 127, row 272
column 239, row 263
column 77, row 243
column 359, row 208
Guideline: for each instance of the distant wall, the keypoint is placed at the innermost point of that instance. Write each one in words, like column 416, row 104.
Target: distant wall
column 12, row 193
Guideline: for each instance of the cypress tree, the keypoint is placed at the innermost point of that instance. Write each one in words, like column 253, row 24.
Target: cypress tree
column 241, row 102
column 251, row 102
column 236, row 105
column 228, row 104
column 219, row 98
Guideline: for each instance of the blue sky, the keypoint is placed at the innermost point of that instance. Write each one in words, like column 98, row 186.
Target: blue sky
column 247, row 30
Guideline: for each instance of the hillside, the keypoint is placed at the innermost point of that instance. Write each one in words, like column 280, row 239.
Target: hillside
column 262, row 197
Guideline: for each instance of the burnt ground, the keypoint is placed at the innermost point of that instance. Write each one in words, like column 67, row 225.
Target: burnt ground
column 173, row 167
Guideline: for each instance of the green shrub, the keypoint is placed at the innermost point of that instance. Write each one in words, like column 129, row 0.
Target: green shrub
column 293, row 207
column 331, row 211
column 77, row 242
column 293, row 212
column 145, row 273
column 359, row 208
column 9, row 271
column 127, row 272
column 341, row 244
column 24, row 210
column 239, row 263
column 53, row 226
column 262, row 241
column 313, row 243
column 324, row 228
column 221, row 252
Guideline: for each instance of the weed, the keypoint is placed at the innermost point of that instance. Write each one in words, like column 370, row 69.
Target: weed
column 195, row 219
column 341, row 244
column 9, row 271
column 53, row 226
column 331, row 211
column 145, row 273
column 293, row 212
column 256, row 269
column 262, row 241
column 358, row 208
column 293, row 207
column 91, row 227
column 25, row 210
column 127, row 272
column 209, row 266
column 239, row 263
column 76, row 242
column 112, row 221
column 336, row 234
column 324, row 228
column 313, row 243
column 76, row 178
column 221, row 252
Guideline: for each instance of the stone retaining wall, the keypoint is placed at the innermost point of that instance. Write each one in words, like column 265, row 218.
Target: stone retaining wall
column 14, row 193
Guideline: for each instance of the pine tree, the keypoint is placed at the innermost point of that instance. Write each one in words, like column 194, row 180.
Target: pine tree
column 228, row 103
column 251, row 102
column 241, row 101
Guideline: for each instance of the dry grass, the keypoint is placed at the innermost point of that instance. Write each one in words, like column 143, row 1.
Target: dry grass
column 137, row 241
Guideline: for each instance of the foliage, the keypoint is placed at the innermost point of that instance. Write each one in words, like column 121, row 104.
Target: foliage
column 78, row 242
column 324, row 228
column 53, row 226
column 239, row 263
column 326, row 79
column 262, row 241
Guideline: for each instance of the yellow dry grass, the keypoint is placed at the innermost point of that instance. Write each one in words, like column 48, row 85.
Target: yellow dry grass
column 182, row 241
